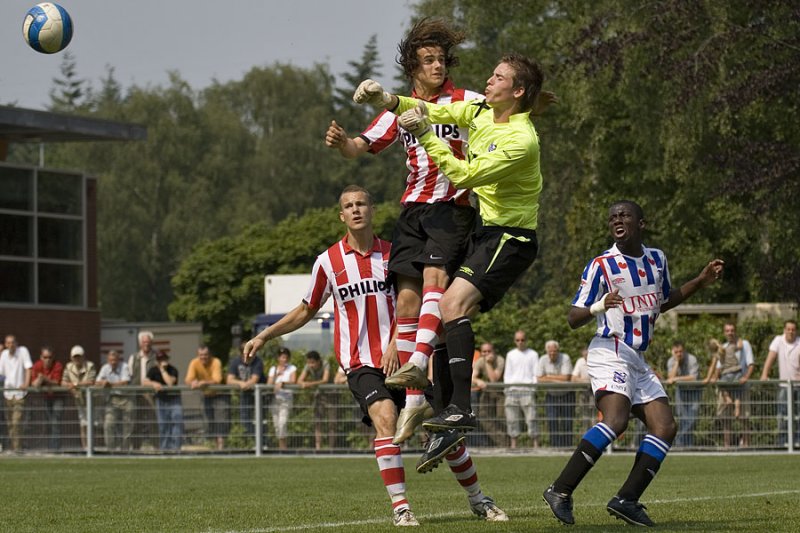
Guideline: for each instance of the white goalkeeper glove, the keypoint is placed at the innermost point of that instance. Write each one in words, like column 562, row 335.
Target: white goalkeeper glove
column 371, row 92
column 415, row 120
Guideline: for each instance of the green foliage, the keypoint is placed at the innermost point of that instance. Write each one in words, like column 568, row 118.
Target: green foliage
column 688, row 107
column 221, row 282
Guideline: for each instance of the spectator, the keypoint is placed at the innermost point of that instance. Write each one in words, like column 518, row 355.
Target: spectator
column 15, row 365
column 735, row 367
column 205, row 371
column 45, row 374
column 488, row 368
column 317, row 372
column 786, row 349
column 683, row 366
column 163, row 378
column 284, row 372
column 118, row 419
column 584, row 406
column 556, row 367
column 246, row 376
column 79, row 374
column 139, row 364
column 520, row 369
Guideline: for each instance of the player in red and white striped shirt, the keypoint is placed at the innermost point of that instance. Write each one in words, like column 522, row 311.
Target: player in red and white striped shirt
column 431, row 234
column 354, row 272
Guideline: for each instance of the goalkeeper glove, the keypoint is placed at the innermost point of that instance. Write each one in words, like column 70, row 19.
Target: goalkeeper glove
column 371, row 92
column 415, row 120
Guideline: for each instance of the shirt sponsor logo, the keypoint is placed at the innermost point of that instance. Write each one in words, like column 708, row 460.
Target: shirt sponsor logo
column 641, row 303
column 363, row 288
column 443, row 131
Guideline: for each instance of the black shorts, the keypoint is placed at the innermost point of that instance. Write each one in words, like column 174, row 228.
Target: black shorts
column 496, row 258
column 367, row 385
column 431, row 234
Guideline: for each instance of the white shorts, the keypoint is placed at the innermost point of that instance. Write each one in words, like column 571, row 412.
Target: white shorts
column 616, row 367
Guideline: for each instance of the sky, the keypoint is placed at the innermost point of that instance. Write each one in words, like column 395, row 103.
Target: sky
column 203, row 40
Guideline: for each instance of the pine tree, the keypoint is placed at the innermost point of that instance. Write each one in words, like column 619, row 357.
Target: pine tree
column 69, row 91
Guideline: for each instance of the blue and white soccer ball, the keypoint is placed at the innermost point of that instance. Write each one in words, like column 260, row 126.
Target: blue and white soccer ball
column 47, row 28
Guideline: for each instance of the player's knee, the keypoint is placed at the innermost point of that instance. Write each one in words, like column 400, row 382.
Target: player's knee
column 450, row 308
column 617, row 423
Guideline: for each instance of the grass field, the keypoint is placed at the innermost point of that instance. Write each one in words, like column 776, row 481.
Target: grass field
column 273, row 494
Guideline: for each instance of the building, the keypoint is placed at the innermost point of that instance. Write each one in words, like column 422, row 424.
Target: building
column 48, row 245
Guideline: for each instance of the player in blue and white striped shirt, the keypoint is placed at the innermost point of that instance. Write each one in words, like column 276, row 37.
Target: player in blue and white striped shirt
column 625, row 289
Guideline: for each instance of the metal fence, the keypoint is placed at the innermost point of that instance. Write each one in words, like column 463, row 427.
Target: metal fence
column 326, row 419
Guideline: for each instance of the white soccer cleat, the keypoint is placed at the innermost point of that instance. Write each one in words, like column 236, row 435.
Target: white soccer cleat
column 408, row 376
column 487, row 510
column 409, row 420
column 405, row 518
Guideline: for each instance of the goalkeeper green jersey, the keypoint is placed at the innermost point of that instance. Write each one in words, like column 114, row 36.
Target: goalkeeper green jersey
column 502, row 164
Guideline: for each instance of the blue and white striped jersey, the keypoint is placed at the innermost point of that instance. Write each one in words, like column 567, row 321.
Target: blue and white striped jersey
column 643, row 283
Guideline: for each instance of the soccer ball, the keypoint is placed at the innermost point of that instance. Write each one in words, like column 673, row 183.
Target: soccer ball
column 47, row 28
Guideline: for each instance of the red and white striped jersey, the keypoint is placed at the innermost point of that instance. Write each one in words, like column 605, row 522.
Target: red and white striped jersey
column 364, row 318
column 425, row 183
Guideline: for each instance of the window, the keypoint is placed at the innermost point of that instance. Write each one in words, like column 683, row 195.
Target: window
column 42, row 237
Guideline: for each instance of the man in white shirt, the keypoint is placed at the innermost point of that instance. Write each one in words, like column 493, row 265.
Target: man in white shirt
column 559, row 404
column 145, row 430
column 786, row 349
column 15, row 365
column 521, row 370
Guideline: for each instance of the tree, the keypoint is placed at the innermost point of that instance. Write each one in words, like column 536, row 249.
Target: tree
column 69, row 91
column 221, row 282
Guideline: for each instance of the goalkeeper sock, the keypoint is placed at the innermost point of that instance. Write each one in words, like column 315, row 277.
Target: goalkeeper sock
column 461, row 349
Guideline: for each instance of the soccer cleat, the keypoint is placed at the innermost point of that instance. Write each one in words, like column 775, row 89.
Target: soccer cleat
column 409, row 420
column 487, row 510
column 630, row 511
column 451, row 418
column 405, row 518
column 440, row 445
column 560, row 504
column 408, row 376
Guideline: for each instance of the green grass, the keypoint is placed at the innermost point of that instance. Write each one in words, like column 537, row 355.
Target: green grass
column 272, row 494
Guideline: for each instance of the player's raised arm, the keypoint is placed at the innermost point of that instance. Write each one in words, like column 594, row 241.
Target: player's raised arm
column 291, row 321
column 371, row 92
column 349, row 147
column 710, row 273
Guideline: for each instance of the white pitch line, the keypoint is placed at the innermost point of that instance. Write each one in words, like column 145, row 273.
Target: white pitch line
column 384, row 520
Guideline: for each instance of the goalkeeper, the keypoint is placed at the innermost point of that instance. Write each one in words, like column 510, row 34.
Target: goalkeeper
column 502, row 168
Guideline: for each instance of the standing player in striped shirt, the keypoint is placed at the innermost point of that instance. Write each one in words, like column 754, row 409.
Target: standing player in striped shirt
column 625, row 288
column 354, row 272
column 437, row 219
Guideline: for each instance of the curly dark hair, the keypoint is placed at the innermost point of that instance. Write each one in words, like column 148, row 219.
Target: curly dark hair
column 428, row 32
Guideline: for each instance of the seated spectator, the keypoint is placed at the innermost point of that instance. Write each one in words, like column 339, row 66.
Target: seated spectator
column 317, row 372
column 169, row 412
column 683, row 366
column 118, row 418
column 556, row 367
column 246, row 376
column 204, row 371
column 284, row 372
column 79, row 374
column 46, row 374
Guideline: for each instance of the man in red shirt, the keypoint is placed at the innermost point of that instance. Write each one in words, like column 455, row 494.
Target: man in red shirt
column 46, row 373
